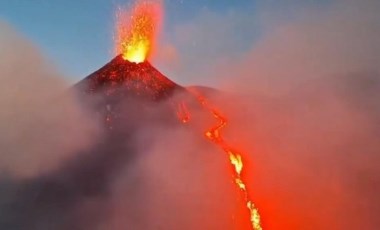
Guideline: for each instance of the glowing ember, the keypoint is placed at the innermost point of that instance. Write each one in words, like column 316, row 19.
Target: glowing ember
column 136, row 31
column 214, row 134
column 182, row 112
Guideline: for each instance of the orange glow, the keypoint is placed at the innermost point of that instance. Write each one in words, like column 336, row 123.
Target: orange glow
column 214, row 134
column 136, row 30
column 183, row 113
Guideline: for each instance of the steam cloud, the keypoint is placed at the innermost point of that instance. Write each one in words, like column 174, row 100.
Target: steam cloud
column 307, row 113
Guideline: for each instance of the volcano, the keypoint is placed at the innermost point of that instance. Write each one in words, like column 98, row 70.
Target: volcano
column 135, row 103
column 124, row 86
column 123, row 91
column 121, row 78
column 127, row 97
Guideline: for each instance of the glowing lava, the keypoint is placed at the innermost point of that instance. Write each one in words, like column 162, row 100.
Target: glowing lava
column 183, row 113
column 136, row 31
column 214, row 134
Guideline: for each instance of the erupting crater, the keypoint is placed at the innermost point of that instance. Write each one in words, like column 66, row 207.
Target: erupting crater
column 126, row 78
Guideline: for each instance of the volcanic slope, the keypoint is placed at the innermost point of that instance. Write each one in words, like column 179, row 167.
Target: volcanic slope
column 122, row 91
column 124, row 78
column 126, row 97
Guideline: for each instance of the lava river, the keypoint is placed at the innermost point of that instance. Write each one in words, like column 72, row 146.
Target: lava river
column 214, row 134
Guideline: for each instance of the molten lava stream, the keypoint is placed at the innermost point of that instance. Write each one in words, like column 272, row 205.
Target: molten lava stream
column 214, row 134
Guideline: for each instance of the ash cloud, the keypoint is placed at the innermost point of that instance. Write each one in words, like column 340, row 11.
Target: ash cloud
column 308, row 111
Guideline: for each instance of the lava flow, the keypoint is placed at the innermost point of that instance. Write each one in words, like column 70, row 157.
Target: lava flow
column 214, row 134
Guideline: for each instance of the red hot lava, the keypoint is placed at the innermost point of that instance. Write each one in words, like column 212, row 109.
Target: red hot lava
column 214, row 134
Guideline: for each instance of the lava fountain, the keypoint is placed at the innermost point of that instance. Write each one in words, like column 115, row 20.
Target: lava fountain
column 136, row 31
column 135, row 36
